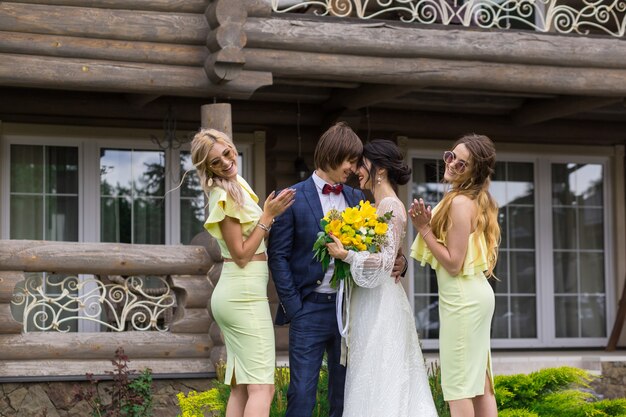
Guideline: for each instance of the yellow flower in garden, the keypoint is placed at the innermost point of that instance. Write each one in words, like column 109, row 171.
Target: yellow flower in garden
column 381, row 228
column 351, row 215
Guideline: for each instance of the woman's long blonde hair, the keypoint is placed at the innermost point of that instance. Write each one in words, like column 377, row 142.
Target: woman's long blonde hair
column 201, row 145
column 474, row 183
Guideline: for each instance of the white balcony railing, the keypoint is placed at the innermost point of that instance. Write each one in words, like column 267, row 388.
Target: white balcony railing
column 583, row 17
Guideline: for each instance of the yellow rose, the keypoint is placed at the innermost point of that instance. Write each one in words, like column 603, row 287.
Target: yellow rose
column 334, row 227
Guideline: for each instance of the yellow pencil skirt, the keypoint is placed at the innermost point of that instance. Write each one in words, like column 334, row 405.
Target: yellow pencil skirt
column 241, row 309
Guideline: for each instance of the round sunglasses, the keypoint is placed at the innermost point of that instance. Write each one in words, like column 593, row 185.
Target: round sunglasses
column 450, row 158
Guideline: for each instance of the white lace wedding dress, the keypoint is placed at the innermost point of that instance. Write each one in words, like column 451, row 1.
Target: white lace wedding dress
column 386, row 376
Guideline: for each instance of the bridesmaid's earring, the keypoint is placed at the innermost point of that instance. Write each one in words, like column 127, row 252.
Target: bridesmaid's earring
column 378, row 180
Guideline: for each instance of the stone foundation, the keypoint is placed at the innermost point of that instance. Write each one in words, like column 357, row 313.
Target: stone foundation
column 612, row 383
column 56, row 399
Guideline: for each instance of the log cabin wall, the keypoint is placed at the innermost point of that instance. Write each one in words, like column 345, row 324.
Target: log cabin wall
column 184, row 347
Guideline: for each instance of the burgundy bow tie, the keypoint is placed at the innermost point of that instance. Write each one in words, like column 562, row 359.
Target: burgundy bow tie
column 335, row 189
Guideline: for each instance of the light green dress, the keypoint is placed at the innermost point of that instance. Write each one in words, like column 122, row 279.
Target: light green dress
column 466, row 306
column 239, row 302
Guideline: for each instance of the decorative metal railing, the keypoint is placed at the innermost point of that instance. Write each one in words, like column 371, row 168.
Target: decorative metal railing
column 53, row 303
column 577, row 17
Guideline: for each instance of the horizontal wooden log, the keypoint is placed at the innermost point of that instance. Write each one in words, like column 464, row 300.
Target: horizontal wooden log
column 434, row 125
column 137, row 345
column 440, row 73
column 536, row 111
column 194, row 320
column 105, row 49
column 184, row 28
column 181, row 6
column 8, row 279
column 253, row 7
column 8, row 325
column 102, row 258
column 197, row 289
column 390, row 39
column 108, row 76
column 77, row 368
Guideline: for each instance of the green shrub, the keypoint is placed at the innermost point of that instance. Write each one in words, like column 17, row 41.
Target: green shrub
column 434, row 380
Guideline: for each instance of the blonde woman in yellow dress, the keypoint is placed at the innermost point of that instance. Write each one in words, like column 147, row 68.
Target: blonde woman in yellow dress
column 459, row 239
column 239, row 302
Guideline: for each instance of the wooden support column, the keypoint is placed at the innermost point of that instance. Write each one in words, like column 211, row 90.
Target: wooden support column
column 217, row 116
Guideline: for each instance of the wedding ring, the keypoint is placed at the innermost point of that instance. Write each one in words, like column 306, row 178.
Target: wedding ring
column 419, row 213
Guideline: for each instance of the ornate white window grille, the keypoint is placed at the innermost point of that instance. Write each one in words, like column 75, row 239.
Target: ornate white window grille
column 54, row 303
column 587, row 16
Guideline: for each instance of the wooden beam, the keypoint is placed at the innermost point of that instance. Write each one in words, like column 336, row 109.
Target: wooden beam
column 536, row 111
column 102, row 258
column 389, row 39
column 182, row 28
column 366, row 95
column 177, row 6
column 106, row 49
column 137, row 345
column 77, row 368
column 440, row 73
column 108, row 76
column 137, row 101
column 447, row 126
column 256, row 8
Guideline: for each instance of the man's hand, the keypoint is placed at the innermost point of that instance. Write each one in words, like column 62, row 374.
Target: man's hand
column 399, row 267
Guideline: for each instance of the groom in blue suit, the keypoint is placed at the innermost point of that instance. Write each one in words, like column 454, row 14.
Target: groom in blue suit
column 307, row 302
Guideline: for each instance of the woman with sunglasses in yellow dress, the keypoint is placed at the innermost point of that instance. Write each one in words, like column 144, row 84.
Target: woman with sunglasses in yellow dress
column 459, row 239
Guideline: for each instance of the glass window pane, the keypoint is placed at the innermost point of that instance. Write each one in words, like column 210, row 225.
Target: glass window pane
column 149, row 173
column 593, row 320
column 504, row 226
column 522, row 227
column 62, row 170
column 149, row 221
column 589, row 184
column 523, row 274
column 565, row 272
column 591, row 272
column 564, row 227
column 566, row 315
column 427, row 176
column 563, row 184
column 115, row 219
column 591, row 228
column 62, row 218
column 190, row 186
column 115, row 172
column 500, row 325
column 26, row 217
column 191, row 218
column 26, row 169
column 427, row 316
column 501, row 271
column 523, row 317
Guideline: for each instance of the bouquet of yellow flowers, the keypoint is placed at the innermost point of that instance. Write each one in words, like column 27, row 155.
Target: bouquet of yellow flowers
column 358, row 228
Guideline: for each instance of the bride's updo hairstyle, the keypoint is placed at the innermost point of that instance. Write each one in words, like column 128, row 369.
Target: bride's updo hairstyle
column 384, row 154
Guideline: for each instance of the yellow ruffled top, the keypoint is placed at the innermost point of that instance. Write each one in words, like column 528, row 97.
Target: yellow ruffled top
column 221, row 205
column 475, row 259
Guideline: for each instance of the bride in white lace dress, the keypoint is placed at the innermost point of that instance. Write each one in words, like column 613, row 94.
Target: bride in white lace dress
column 386, row 376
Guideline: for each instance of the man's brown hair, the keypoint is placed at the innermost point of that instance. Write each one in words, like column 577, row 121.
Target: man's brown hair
column 336, row 145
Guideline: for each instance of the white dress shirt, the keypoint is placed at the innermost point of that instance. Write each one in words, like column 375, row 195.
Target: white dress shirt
column 329, row 201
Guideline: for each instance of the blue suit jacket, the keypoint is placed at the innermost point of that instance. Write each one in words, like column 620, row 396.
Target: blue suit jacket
column 294, row 271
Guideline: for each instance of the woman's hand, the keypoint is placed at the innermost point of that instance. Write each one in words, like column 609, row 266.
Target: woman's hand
column 420, row 214
column 336, row 249
column 275, row 205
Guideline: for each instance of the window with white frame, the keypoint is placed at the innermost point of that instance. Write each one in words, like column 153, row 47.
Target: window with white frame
column 552, row 267
column 51, row 193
